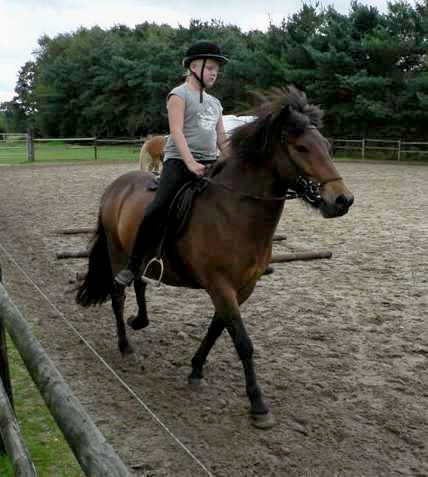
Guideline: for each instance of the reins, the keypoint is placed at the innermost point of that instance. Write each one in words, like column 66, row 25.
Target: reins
column 288, row 195
column 246, row 194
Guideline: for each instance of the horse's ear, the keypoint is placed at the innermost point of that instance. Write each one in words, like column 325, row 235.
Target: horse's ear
column 282, row 114
column 280, row 121
column 285, row 113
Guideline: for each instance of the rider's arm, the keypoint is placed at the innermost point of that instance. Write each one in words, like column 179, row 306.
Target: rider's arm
column 175, row 108
column 222, row 139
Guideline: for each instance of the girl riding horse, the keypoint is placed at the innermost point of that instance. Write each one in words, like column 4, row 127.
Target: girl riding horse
column 227, row 242
column 196, row 130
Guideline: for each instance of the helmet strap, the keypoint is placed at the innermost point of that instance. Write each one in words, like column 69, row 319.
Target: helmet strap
column 200, row 79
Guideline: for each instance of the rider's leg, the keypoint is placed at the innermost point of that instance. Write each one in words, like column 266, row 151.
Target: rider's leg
column 174, row 175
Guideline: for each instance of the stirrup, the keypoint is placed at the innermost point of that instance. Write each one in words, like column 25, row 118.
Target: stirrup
column 151, row 281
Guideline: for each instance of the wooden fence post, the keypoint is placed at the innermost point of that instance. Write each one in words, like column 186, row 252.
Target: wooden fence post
column 30, row 145
column 16, row 450
column 96, row 457
column 363, row 148
column 95, row 148
column 399, row 149
column 4, row 369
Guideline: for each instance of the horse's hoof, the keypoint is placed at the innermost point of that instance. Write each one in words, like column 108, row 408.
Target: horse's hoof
column 126, row 350
column 137, row 323
column 195, row 383
column 262, row 421
column 268, row 270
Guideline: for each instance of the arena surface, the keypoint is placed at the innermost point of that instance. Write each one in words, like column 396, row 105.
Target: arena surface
column 341, row 345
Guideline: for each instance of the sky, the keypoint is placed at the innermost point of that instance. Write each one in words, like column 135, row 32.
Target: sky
column 23, row 22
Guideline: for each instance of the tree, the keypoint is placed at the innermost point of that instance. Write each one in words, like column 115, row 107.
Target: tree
column 367, row 70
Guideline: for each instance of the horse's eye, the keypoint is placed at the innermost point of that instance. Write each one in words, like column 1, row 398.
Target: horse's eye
column 301, row 149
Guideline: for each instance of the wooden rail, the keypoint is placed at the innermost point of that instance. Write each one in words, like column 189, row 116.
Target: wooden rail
column 95, row 455
column 12, row 440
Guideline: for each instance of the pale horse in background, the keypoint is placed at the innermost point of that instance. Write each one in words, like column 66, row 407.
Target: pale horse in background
column 152, row 151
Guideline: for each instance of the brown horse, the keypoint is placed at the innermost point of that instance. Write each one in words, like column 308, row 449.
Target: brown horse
column 151, row 153
column 227, row 243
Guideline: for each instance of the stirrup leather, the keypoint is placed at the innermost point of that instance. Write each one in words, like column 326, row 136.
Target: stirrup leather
column 151, row 281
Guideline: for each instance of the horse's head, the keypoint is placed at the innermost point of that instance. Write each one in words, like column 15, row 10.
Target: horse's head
column 315, row 175
column 300, row 154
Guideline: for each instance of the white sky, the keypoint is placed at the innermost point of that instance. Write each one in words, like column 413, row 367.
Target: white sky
column 23, row 22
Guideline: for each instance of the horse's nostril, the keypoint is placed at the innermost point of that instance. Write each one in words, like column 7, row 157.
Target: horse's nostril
column 345, row 201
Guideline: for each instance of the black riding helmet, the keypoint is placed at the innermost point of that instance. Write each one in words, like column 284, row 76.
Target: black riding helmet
column 203, row 50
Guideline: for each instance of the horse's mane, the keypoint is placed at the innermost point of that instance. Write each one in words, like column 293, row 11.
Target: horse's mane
column 279, row 111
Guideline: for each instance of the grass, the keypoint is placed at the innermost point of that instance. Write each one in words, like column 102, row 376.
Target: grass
column 49, row 451
column 13, row 153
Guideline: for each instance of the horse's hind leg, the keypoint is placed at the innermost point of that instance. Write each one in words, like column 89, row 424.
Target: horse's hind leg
column 214, row 331
column 118, row 303
column 140, row 321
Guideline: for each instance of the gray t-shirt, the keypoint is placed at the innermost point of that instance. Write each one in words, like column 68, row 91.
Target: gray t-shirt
column 199, row 127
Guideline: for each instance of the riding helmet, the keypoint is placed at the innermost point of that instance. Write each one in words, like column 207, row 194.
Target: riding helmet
column 204, row 49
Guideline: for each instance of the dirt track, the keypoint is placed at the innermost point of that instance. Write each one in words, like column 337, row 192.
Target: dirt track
column 341, row 345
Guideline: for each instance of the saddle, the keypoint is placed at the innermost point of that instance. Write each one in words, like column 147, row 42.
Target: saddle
column 177, row 219
column 181, row 206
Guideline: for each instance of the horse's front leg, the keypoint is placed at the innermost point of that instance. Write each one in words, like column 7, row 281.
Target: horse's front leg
column 214, row 331
column 227, row 309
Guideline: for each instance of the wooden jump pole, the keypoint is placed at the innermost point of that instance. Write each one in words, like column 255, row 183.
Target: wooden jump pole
column 279, row 238
column 94, row 453
column 276, row 258
column 76, row 254
column 90, row 230
column 291, row 257
column 85, row 253
column 75, row 231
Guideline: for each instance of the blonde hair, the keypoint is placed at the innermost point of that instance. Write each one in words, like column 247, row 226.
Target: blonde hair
column 194, row 62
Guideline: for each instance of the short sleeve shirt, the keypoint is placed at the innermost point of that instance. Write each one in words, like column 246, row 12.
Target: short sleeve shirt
column 199, row 127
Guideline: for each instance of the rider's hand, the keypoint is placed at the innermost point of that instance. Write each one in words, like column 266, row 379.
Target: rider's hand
column 196, row 168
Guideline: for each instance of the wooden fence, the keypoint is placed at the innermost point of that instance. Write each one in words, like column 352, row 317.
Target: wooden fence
column 96, row 457
column 92, row 147
column 394, row 149
column 16, row 148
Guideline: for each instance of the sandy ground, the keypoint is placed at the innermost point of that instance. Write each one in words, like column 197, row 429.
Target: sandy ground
column 341, row 345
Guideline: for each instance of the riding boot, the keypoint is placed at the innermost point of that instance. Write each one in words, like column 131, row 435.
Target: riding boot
column 127, row 275
column 174, row 175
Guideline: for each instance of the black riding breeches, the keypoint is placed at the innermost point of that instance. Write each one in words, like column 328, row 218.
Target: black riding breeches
column 174, row 175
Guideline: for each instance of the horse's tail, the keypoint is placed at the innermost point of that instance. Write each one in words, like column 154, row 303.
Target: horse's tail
column 145, row 158
column 98, row 283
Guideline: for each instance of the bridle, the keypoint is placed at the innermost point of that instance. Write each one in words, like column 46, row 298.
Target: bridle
column 311, row 189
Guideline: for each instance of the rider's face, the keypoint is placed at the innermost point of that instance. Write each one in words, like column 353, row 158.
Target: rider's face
column 210, row 71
